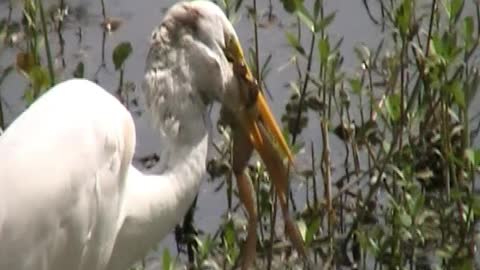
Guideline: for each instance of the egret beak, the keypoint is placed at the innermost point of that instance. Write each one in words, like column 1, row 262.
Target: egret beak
column 255, row 103
column 257, row 121
column 263, row 133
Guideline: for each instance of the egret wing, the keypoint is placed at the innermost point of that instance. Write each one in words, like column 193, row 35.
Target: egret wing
column 63, row 164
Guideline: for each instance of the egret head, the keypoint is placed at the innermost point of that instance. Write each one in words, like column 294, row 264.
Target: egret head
column 195, row 58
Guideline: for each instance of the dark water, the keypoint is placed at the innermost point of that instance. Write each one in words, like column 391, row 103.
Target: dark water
column 139, row 18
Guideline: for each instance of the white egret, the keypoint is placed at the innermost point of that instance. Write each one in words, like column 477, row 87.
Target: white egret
column 70, row 197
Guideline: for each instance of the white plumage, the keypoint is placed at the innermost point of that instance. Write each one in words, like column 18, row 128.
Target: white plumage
column 63, row 167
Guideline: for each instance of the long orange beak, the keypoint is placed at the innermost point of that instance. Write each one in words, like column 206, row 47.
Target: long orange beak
column 258, row 122
column 260, row 113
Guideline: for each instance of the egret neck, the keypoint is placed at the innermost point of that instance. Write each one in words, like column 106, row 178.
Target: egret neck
column 157, row 202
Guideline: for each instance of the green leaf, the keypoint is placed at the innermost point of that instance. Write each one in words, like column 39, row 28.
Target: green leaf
column 238, row 5
column 419, row 203
column 356, row 85
column 456, row 90
column 265, row 70
column 324, row 49
column 473, row 155
column 312, row 230
column 294, row 42
column 392, row 105
column 436, row 46
column 166, row 259
column 396, row 170
column 302, row 227
column 39, row 78
column 199, row 243
column 373, row 245
column 405, row 219
column 468, row 32
column 362, row 239
column 470, row 155
column 363, row 53
column 229, row 240
column 402, row 17
column 121, row 53
column 445, row 47
column 229, row 234
column 439, row 46
column 445, row 252
column 455, row 8
column 25, row 61
column 290, row 5
column 476, row 204
column 204, row 247
column 316, row 8
column 325, row 22
column 29, row 96
column 466, row 263
column 306, row 18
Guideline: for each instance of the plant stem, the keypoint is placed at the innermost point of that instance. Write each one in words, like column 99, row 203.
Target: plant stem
column 304, row 88
column 104, row 13
column 47, row 44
